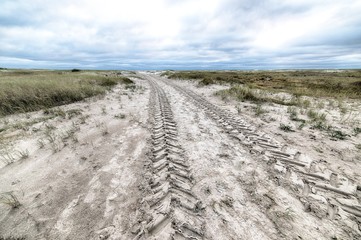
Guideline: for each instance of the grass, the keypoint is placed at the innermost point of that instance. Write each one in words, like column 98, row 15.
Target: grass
column 58, row 139
column 41, row 143
column 120, row 116
column 258, row 87
column 286, row 128
column 9, row 198
column 294, row 114
column 130, row 86
column 245, row 93
column 83, row 119
column 315, row 116
column 26, row 124
column 301, row 126
column 320, row 125
column 73, row 113
column 70, row 134
column 7, row 156
column 334, row 134
column 259, row 110
column 52, row 138
column 24, row 91
column 56, row 112
column 342, row 107
column 356, row 131
column 315, row 83
column 337, row 134
column 241, row 94
column 23, row 154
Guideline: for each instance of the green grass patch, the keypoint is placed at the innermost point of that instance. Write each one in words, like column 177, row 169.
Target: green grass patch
column 241, row 93
column 286, row 128
column 337, row 135
column 315, row 116
column 27, row 90
column 322, row 126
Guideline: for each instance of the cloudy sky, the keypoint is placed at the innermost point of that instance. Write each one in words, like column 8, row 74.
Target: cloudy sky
column 180, row 34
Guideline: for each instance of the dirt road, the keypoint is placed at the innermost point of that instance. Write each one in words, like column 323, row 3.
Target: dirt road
column 180, row 168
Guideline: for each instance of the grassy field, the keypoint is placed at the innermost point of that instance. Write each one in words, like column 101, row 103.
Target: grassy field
column 316, row 83
column 30, row 90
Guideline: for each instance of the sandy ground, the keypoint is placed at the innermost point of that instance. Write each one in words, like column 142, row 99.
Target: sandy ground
column 77, row 187
column 85, row 174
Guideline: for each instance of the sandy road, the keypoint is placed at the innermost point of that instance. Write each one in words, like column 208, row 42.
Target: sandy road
column 250, row 186
column 169, row 209
column 176, row 166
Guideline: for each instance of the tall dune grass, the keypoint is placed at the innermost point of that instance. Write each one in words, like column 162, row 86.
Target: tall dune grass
column 23, row 91
column 316, row 83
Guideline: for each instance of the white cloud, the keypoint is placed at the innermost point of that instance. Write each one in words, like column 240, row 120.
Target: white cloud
column 91, row 32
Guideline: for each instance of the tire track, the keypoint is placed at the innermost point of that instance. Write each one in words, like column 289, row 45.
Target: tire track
column 169, row 210
column 326, row 195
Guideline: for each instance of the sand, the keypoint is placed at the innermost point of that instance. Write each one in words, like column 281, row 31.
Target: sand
column 95, row 175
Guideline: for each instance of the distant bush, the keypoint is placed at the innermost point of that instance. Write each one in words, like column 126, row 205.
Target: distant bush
column 126, row 80
column 107, row 82
column 75, row 70
column 206, row 82
column 357, row 84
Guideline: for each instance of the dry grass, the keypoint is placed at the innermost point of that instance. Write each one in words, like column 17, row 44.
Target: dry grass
column 316, row 83
column 24, row 91
column 9, row 198
column 244, row 93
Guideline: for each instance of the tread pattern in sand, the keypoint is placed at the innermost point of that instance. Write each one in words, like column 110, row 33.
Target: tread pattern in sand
column 322, row 194
column 170, row 209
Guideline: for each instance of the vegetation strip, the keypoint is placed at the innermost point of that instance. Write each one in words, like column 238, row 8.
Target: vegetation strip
column 24, row 91
column 317, row 83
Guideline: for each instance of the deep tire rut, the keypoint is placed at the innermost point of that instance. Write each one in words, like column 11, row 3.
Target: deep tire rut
column 322, row 194
column 169, row 209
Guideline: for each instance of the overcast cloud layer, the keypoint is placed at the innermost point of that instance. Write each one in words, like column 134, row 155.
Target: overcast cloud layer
column 180, row 34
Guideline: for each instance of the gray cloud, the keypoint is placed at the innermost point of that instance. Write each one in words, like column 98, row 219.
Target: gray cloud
column 164, row 34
